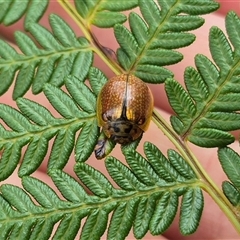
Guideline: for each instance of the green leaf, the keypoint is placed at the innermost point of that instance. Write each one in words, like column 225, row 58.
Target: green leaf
column 170, row 40
column 22, row 231
column 38, row 190
column 220, row 49
column 148, row 185
column 7, row 51
column 44, row 73
column 196, row 7
column 95, row 225
column 8, row 75
column 34, row 155
column 160, row 163
column 127, row 41
column 61, row 102
column 144, row 212
column 122, row 175
column 108, row 19
column 232, row 193
column 184, row 23
column 177, row 124
column 6, row 209
column 26, row 44
column 141, row 168
column 68, row 186
column 44, row 37
column 161, row 57
column 63, row 32
column 14, row 12
column 208, row 137
column 230, row 162
column 223, row 120
column 81, row 94
column 180, row 165
column 82, row 8
column 226, row 102
column 63, row 69
column 232, row 26
column 179, row 99
column 97, row 79
column 191, row 211
column 42, row 218
column 208, row 72
column 35, row 112
column 4, row 8
column 24, row 80
column 152, row 74
column 122, row 219
column 104, row 13
column 61, row 149
column 151, row 14
column 138, row 28
column 37, row 136
column 35, row 11
column 94, row 180
column 43, row 228
column 18, row 198
column 196, row 86
column 10, row 158
column 86, row 141
column 14, row 119
column 166, row 210
column 68, row 227
column 143, row 207
column 112, row 5
column 82, row 64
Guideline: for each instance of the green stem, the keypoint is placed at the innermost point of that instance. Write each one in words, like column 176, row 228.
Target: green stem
column 83, row 25
column 206, row 182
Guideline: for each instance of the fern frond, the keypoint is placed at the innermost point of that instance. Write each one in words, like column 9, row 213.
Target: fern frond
column 60, row 55
column 12, row 11
column 141, row 204
column 208, row 109
column 105, row 13
column 153, row 37
column 34, row 126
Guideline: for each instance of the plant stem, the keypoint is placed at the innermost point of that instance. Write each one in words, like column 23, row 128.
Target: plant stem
column 206, row 182
column 83, row 25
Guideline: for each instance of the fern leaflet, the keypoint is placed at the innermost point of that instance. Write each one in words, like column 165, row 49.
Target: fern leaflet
column 62, row 54
column 230, row 162
column 149, row 45
column 35, row 126
column 12, row 11
column 105, row 13
column 139, row 204
column 207, row 111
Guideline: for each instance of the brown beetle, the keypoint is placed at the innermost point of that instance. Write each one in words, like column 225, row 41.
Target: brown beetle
column 124, row 109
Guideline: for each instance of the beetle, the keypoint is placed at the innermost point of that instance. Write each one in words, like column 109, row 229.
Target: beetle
column 124, row 110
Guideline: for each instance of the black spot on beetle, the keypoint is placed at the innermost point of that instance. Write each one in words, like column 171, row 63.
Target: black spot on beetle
column 116, row 129
column 128, row 129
